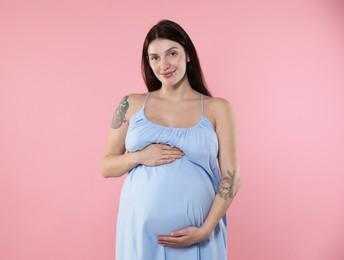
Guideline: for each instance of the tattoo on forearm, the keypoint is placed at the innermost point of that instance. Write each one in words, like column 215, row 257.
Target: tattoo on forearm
column 226, row 187
column 119, row 116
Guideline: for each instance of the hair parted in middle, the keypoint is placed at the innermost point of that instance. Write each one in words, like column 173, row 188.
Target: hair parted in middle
column 166, row 29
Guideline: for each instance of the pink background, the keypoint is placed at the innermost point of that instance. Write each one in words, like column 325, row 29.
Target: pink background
column 65, row 65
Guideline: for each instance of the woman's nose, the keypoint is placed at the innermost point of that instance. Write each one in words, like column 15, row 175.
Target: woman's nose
column 165, row 65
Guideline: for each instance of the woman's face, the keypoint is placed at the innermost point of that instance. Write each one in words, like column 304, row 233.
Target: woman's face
column 168, row 61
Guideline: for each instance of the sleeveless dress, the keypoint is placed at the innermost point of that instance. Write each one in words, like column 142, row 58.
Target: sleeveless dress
column 156, row 200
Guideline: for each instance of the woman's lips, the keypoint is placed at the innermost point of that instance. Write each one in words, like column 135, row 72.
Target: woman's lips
column 167, row 74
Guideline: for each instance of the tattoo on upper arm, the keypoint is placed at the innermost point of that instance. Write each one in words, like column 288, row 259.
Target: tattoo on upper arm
column 226, row 187
column 119, row 116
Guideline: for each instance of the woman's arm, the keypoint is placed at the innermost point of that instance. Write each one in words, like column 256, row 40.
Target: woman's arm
column 229, row 185
column 116, row 162
column 229, row 166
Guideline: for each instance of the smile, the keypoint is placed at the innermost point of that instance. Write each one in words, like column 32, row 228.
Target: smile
column 167, row 74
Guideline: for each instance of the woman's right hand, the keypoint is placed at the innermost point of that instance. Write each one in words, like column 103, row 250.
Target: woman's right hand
column 157, row 154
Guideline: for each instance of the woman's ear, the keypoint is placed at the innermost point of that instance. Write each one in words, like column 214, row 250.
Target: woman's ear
column 187, row 58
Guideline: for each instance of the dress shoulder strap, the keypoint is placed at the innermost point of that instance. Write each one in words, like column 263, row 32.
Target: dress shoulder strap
column 144, row 104
column 202, row 102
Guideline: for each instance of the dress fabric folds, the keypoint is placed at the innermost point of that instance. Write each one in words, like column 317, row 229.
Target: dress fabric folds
column 156, row 200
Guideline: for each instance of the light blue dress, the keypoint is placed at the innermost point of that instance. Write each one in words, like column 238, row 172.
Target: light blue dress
column 156, row 200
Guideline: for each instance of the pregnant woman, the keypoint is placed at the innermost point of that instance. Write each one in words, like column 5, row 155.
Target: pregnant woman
column 178, row 145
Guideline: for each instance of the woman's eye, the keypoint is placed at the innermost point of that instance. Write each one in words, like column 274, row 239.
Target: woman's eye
column 154, row 58
column 173, row 53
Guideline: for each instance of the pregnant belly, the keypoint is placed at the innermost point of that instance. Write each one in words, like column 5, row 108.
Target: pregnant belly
column 168, row 197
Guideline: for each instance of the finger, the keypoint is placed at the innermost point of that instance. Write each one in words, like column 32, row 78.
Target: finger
column 169, row 158
column 174, row 156
column 172, row 152
column 170, row 240
column 167, row 152
column 165, row 161
column 169, row 147
column 176, row 239
column 166, row 147
column 177, row 149
column 178, row 233
column 173, row 243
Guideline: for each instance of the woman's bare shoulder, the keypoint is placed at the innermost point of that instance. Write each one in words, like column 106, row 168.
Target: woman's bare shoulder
column 217, row 104
column 217, row 109
column 136, row 97
column 135, row 102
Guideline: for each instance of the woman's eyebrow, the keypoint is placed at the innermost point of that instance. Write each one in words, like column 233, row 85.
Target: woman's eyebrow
column 165, row 51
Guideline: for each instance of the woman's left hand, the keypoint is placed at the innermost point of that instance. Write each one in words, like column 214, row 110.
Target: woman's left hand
column 184, row 237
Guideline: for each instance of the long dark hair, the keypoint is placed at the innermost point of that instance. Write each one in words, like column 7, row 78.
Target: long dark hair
column 166, row 29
